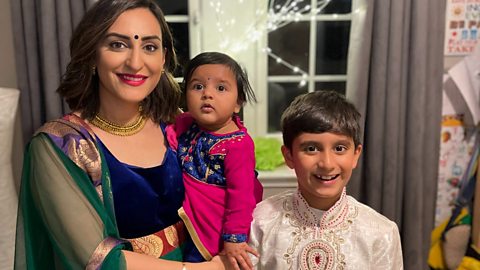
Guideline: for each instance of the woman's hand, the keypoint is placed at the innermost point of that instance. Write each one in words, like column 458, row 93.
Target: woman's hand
column 222, row 262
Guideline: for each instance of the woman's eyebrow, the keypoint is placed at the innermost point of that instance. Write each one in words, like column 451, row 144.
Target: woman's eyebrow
column 117, row 35
column 151, row 37
column 128, row 38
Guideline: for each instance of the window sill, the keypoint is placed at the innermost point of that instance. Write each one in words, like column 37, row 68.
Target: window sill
column 282, row 172
column 280, row 178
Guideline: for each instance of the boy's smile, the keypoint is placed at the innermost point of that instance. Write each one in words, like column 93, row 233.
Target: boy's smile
column 323, row 163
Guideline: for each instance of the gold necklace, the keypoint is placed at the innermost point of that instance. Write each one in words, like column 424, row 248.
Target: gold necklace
column 119, row 130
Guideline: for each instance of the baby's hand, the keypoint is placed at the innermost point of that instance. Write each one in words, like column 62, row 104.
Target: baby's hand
column 237, row 255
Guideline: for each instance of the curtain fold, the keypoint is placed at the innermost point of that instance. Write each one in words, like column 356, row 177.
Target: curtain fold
column 396, row 82
column 42, row 33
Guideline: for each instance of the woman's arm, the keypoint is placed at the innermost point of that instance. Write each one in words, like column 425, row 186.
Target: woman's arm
column 137, row 261
column 60, row 222
column 61, row 219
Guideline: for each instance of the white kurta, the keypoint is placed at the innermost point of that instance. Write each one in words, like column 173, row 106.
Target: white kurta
column 289, row 234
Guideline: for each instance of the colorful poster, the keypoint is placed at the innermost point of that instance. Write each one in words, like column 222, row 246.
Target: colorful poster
column 462, row 26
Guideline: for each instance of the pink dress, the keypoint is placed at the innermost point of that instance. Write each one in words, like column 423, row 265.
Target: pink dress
column 221, row 187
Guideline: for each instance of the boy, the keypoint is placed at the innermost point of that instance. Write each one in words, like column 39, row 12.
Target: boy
column 318, row 226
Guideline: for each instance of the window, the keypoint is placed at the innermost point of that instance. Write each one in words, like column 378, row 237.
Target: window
column 287, row 47
column 307, row 51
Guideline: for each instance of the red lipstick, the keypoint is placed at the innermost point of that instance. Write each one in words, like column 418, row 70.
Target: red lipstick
column 132, row 79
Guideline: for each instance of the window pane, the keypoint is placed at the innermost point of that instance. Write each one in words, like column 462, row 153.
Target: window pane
column 338, row 7
column 280, row 95
column 337, row 86
column 292, row 5
column 181, row 43
column 177, row 7
column 332, row 47
column 290, row 43
column 334, row 7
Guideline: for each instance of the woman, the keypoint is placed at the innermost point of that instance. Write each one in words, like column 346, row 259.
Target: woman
column 105, row 173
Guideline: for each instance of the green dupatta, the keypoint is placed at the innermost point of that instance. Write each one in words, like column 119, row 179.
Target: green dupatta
column 63, row 223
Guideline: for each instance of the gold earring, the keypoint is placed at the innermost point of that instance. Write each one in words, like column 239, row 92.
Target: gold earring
column 94, row 70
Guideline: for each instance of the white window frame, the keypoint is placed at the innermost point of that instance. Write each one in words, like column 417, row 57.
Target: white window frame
column 311, row 78
column 203, row 37
column 202, row 30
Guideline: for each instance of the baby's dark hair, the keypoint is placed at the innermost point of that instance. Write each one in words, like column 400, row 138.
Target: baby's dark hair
column 245, row 91
column 319, row 112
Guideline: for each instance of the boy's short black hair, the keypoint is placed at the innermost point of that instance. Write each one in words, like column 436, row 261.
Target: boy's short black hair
column 319, row 112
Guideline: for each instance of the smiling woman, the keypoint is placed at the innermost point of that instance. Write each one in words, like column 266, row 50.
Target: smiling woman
column 129, row 68
column 101, row 186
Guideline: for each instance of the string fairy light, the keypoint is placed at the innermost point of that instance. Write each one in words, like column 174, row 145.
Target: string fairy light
column 295, row 69
column 280, row 15
column 277, row 15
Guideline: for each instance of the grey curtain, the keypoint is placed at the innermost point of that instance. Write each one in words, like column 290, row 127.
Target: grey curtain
column 42, row 32
column 396, row 81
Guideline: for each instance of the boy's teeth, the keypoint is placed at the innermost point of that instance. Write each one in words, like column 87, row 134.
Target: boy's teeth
column 327, row 178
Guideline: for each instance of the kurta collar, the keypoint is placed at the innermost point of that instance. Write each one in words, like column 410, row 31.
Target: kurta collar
column 331, row 218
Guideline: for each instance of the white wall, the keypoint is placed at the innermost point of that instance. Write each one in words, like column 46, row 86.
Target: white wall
column 8, row 199
column 450, row 61
column 8, row 78
column 7, row 64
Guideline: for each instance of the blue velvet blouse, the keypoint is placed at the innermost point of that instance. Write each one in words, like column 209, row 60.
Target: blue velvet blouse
column 146, row 200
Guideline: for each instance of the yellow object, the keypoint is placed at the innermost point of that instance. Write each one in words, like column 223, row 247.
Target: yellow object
column 476, row 211
column 452, row 120
column 436, row 257
column 119, row 130
column 469, row 263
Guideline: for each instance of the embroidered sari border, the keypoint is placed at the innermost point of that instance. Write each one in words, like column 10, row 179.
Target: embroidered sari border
column 101, row 252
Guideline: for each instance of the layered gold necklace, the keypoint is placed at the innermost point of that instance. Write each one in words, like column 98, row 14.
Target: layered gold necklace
column 119, row 130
